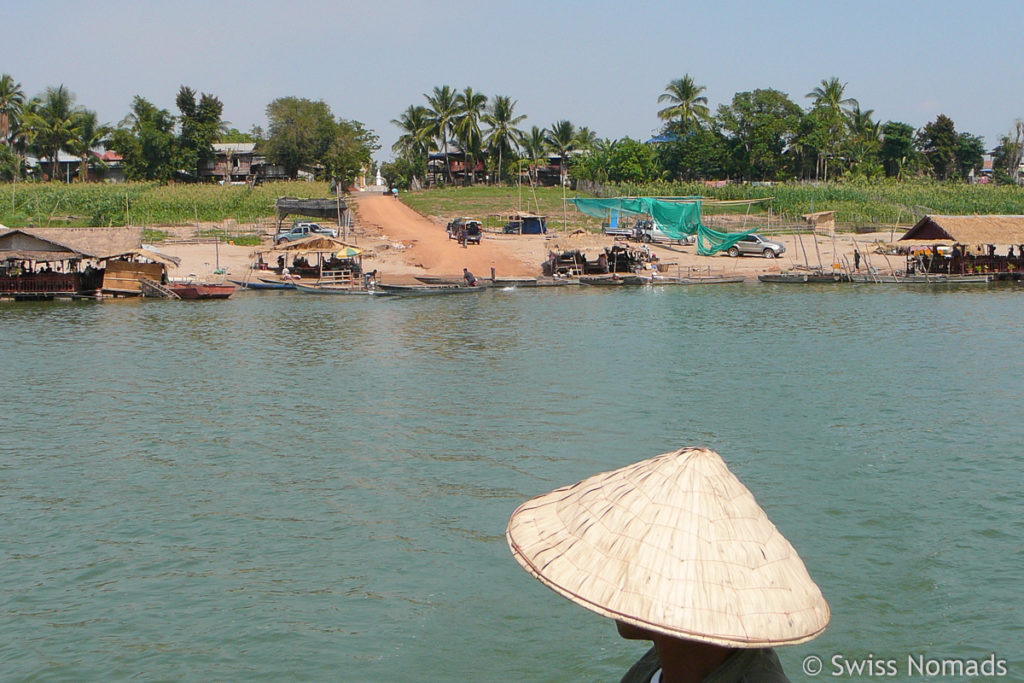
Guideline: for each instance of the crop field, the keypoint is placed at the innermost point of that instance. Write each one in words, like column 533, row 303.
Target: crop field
column 881, row 205
column 144, row 204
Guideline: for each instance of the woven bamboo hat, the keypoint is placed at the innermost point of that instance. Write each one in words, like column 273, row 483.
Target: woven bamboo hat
column 674, row 544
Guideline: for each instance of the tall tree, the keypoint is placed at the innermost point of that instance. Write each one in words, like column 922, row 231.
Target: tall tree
column 938, row 141
column 55, row 125
column 897, row 151
column 561, row 138
column 415, row 141
column 12, row 100
column 200, row 126
column 299, row 134
column 687, row 106
column 1007, row 156
column 91, row 134
column 350, row 151
column 443, row 110
column 535, row 146
column 760, row 124
column 145, row 140
column 504, row 135
column 831, row 104
column 470, row 109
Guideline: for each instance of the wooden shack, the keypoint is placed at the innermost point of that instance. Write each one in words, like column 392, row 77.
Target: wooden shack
column 969, row 244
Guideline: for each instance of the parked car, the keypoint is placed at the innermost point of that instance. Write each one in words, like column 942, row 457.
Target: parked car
column 474, row 230
column 303, row 229
column 755, row 244
column 648, row 231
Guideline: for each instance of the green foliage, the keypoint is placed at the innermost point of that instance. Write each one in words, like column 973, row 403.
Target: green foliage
column 100, row 205
column 300, row 133
column 349, row 151
column 146, row 142
column 762, row 124
column 200, row 125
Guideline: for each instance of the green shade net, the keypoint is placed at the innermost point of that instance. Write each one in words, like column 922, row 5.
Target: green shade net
column 677, row 219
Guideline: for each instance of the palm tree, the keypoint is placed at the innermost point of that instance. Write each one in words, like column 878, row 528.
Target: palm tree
column 12, row 100
column 585, row 138
column 90, row 135
column 415, row 141
column 503, row 136
column 686, row 104
column 442, row 110
column 828, row 99
column 561, row 138
column 471, row 109
column 55, row 124
column 535, row 146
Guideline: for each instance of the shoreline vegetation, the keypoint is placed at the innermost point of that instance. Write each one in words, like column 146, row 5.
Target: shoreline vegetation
column 881, row 205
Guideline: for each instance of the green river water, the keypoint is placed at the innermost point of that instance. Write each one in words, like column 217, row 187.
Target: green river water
column 289, row 487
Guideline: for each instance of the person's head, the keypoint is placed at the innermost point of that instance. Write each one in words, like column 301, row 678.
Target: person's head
column 671, row 548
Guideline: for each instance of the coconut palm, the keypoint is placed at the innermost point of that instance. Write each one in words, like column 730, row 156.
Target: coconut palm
column 503, row 136
column 442, row 111
column 90, row 136
column 686, row 104
column 535, row 147
column 561, row 138
column 830, row 103
column 55, row 124
column 12, row 100
column 471, row 107
column 415, row 141
column 585, row 138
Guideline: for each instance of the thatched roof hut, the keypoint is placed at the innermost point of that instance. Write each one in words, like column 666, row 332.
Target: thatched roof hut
column 967, row 230
column 58, row 244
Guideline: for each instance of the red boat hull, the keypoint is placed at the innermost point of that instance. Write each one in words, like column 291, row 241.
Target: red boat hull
column 197, row 291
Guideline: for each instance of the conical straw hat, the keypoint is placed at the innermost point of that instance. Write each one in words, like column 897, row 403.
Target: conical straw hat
column 675, row 544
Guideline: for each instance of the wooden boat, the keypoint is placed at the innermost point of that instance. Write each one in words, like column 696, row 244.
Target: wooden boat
column 421, row 290
column 697, row 280
column 277, row 282
column 251, row 284
column 921, row 279
column 440, row 280
column 514, row 282
column 791, row 277
column 614, row 279
column 200, row 291
column 338, row 289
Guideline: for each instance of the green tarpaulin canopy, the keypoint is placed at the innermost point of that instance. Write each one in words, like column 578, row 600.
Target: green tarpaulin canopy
column 674, row 218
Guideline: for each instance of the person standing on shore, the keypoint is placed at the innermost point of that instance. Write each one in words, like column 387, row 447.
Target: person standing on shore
column 677, row 551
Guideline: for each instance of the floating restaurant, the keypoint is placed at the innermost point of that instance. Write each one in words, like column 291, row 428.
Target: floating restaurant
column 966, row 245
column 48, row 263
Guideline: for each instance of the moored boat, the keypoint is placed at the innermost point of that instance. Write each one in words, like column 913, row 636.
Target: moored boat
column 338, row 289
column 796, row 277
column 199, row 291
column 421, row 290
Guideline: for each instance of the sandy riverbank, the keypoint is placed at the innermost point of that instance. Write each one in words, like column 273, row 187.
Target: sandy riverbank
column 400, row 244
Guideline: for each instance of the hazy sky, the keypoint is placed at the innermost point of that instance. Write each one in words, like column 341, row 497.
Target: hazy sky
column 599, row 64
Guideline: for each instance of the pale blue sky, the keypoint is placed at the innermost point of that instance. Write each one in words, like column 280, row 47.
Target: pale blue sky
column 599, row 64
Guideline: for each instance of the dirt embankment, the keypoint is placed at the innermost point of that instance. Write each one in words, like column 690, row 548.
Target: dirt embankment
column 400, row 244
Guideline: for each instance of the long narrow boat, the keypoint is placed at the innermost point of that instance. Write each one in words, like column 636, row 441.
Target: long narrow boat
column 279, row 284
column 614, row 279
column 199, row 291
column 338, row 289
column 802, row 278
column 255, row 284
column 421, row 290
column 698, row 280
column 922, row 279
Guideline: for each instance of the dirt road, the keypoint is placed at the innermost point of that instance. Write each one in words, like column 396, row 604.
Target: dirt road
column 404, row 244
